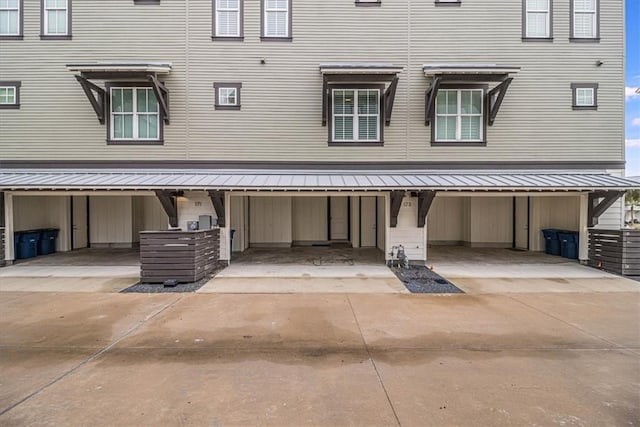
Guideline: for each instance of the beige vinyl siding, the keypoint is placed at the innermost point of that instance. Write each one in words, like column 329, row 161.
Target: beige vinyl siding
column 111, row 221
column 270, row 221
column 280, row 118
column 309, row 220
column 561, row 213
column 33, row 212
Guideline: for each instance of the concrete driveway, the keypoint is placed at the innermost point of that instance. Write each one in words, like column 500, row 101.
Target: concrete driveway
column 319, row 359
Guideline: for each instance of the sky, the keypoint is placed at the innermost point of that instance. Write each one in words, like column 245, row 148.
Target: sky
column 632, row 84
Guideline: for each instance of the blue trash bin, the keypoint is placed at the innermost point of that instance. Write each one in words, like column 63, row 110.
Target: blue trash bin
column 28, row 244
column 568, row 244
column 47, row 242
column 551, row 241
column 17, row 235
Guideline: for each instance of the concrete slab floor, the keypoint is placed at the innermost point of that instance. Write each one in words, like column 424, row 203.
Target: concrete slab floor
column 289, row 285
column 197, row 359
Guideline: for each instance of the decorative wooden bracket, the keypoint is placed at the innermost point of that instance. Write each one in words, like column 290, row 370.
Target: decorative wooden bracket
column 389, row 97
column 162, row 95
column 217, row 199
column 396, row 203
column 96, row 96
column 325, row 97
column 169, row 204
column 430, row 100
column 494, row 99
column 425, row 199
column 599, row 202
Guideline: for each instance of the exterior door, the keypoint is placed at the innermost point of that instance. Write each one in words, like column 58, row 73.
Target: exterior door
column 339, row 218
column 522, row 223
column 368, row 224
column 80, row 224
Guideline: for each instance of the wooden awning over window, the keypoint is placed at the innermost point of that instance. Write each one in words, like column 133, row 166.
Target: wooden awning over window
column 469, row 73
column 359, row 73
column 129, row 71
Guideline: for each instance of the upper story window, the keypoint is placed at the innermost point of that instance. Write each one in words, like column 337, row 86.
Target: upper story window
column 9, row 95
column 585, row 20
column 276, row 19
column 10, row 19
column 459, row 115
column 537, row 19
column 356, row 115
column 368, row 2
column 227, row 20
column 56, row 19
column 227, row 96
column 585, row 96
column 448, row 2
column 134, row 114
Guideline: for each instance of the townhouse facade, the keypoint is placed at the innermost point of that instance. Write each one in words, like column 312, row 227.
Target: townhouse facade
column 298, row 122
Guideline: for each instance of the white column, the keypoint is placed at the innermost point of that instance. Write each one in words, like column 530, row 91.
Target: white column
column 9, row 256
column 583, row 248
column 355, row 221
column 387, row 226
column 226, row 232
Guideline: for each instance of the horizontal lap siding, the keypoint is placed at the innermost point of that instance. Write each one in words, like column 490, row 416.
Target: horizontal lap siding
column 281, row 100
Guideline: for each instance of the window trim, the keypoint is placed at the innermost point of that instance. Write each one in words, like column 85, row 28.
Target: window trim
column 214, row 20
column 445, row 3
column 111, row 141
column 16, row 85
column 370, row 3
column 20, row 34
column 381, row 113
column 263, row 26
column 528, row 38
column 462, row 86
column 146, row 2
column 218, row 86
column 43, row 27
column 574, row 96
column 572, row 37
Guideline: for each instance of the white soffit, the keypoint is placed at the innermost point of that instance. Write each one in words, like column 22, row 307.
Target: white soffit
column 440, row 69
column 359, row 68
column 125, row 67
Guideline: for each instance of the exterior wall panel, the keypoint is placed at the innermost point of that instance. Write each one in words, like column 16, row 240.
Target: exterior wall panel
column 281, row 99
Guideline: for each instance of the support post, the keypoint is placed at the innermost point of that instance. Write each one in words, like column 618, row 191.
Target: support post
column 170, row 205
column 9, row 256
column 218, row 201
column 396, row 203
column 583, row 243
column 425, row 200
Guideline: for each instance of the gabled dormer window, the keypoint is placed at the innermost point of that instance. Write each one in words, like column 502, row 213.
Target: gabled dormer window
column 10, row 19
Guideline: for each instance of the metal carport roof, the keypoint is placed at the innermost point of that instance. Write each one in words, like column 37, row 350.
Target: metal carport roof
column 307, row 180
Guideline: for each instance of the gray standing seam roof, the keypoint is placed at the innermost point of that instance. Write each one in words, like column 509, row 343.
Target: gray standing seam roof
column 315, row 180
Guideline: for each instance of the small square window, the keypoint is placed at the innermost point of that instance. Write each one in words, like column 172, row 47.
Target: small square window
column 227, row 96
column 9, row 95
column 585, row 96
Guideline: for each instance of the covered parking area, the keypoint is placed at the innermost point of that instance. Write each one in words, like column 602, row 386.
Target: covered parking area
column 304, row 217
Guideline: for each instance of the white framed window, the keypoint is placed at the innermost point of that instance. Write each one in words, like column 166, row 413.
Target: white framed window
column 584, row 19
column 459, row 115
column 227, row 96
column 276, row 18
column 355, row 115
column 368, row 2
column 134, row 114
column 228, row 20
column 585, row 96
column 10, row 13
column 537, row 19
column 55, row 17
column 9, row 95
